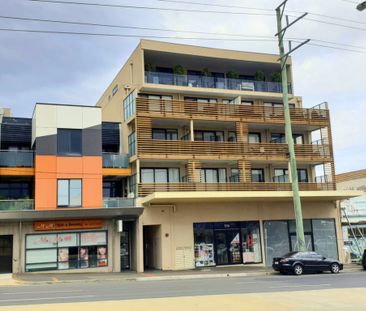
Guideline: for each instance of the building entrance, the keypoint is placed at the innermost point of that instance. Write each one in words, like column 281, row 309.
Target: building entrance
column 125, row 250
column 228, row 250
column 6, row 253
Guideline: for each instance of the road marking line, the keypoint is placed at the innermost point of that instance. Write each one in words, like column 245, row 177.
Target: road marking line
column 305, row 285
column 44, row 292
column 46, row 298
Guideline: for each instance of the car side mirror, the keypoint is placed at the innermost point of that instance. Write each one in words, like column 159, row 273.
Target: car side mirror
column 324, row 258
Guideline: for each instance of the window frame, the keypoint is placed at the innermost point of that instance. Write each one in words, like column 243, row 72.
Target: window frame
column 69, row 152
column 68, row 192
column 258, row 169
column 258, row 134
column 160, row 168
column 166, row 133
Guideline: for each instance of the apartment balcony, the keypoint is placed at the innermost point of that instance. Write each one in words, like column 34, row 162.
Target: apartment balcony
column 145, row 189
column 17, row 205
column 183, row 149
column 200, row 81
column 16, row 158
column 118, row 202
column 116, row 164
column 179, row 109
column 115, row 160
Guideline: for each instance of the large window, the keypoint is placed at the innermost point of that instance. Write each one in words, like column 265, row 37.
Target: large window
column 280, row 237
column 129, row 106
column 132, row 144
column 254, row 138
column 209, row 135
column 257, row 175
column 279, row 138
column 165, row 134
column 213, row 175
column 62, row 251
column 69, row 142
column 160, row 175
column 69, row 193
column 226, row 243
column 281, row 175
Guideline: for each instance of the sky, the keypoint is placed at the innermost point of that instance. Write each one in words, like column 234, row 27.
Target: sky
column 72, row 69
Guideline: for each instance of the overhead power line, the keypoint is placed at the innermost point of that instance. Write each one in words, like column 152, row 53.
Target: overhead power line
column 261, row 9
column 164, row 29
column 126, row 26
column 132, row 35
column 125, row 6
column 176, row 37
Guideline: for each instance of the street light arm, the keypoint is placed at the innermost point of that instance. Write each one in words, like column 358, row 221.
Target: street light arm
column 361, row 6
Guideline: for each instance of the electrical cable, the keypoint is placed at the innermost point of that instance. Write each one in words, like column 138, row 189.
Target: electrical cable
column 125, row 6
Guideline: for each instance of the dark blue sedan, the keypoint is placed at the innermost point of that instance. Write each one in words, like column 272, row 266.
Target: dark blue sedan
column 305, row 262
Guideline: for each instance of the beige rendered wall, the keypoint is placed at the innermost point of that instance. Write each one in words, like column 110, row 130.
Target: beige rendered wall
column 177, row 242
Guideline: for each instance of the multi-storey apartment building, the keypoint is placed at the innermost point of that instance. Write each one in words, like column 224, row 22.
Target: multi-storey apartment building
column 62, row 179
column 204, row 129
column 181, row 164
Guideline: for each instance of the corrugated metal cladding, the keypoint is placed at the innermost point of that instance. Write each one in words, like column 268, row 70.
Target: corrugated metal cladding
column 16, row 132
column 110, row 136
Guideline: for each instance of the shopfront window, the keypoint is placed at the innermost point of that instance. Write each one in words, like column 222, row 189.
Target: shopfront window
column 276, row 239
column 280, row 237
column 251, row 242
column 325, row 239
column 62, row 251
column 204, row 245
column 227, row 243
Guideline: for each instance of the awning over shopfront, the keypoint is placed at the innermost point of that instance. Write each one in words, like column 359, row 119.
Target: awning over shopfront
column 241, row 196
column 100, row 213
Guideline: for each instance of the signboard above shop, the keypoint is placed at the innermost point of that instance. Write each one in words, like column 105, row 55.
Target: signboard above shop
column 54, row 225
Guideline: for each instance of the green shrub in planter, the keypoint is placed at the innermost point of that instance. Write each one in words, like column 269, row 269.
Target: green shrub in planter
column 259, row 76
column 179, row 70
column 232, row 75
column 277, row 77
column 150, row 67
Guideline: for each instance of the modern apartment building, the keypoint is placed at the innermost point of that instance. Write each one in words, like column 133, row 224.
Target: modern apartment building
column 181, row 164
column 204, row 129
column 353, row 213
column 61, row 195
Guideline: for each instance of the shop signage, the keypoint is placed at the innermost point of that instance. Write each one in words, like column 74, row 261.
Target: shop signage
column 67, row 224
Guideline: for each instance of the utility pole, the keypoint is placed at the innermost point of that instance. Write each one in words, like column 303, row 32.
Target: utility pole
column 288, row 130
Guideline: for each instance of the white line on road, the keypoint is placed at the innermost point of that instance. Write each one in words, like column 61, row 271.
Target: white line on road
column 44, row 292
column 304, row 285
column 45, row 298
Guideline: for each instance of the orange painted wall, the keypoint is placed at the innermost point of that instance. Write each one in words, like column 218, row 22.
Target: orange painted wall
column 50, row 168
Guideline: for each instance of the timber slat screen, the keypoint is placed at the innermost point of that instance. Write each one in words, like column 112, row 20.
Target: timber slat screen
column 254, row 151
column 212, row 111
column 148, row 188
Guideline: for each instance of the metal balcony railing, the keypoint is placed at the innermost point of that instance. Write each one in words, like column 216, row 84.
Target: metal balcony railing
column 118, row 202
column 213, row 82
column 17, row 205
column 115, row 160
column 16, row 158
column 148, row 188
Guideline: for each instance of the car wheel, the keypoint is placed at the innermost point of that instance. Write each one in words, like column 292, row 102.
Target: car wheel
column 334, row 268
column 298, row 269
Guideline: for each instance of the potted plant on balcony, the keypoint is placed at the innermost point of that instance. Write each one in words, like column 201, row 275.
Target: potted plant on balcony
column 150, row 72
column 233, row 82
column 180, row 75
column 206, row 77
column 260, row 77
column 277, row 78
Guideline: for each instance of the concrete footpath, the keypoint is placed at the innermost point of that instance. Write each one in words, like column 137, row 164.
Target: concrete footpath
column 156, row 275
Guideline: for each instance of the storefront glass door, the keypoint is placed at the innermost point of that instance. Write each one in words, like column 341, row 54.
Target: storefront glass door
column 228, row 247
column 125, row 250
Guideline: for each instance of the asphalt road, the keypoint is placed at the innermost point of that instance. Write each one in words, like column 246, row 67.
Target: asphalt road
column 126, row 290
